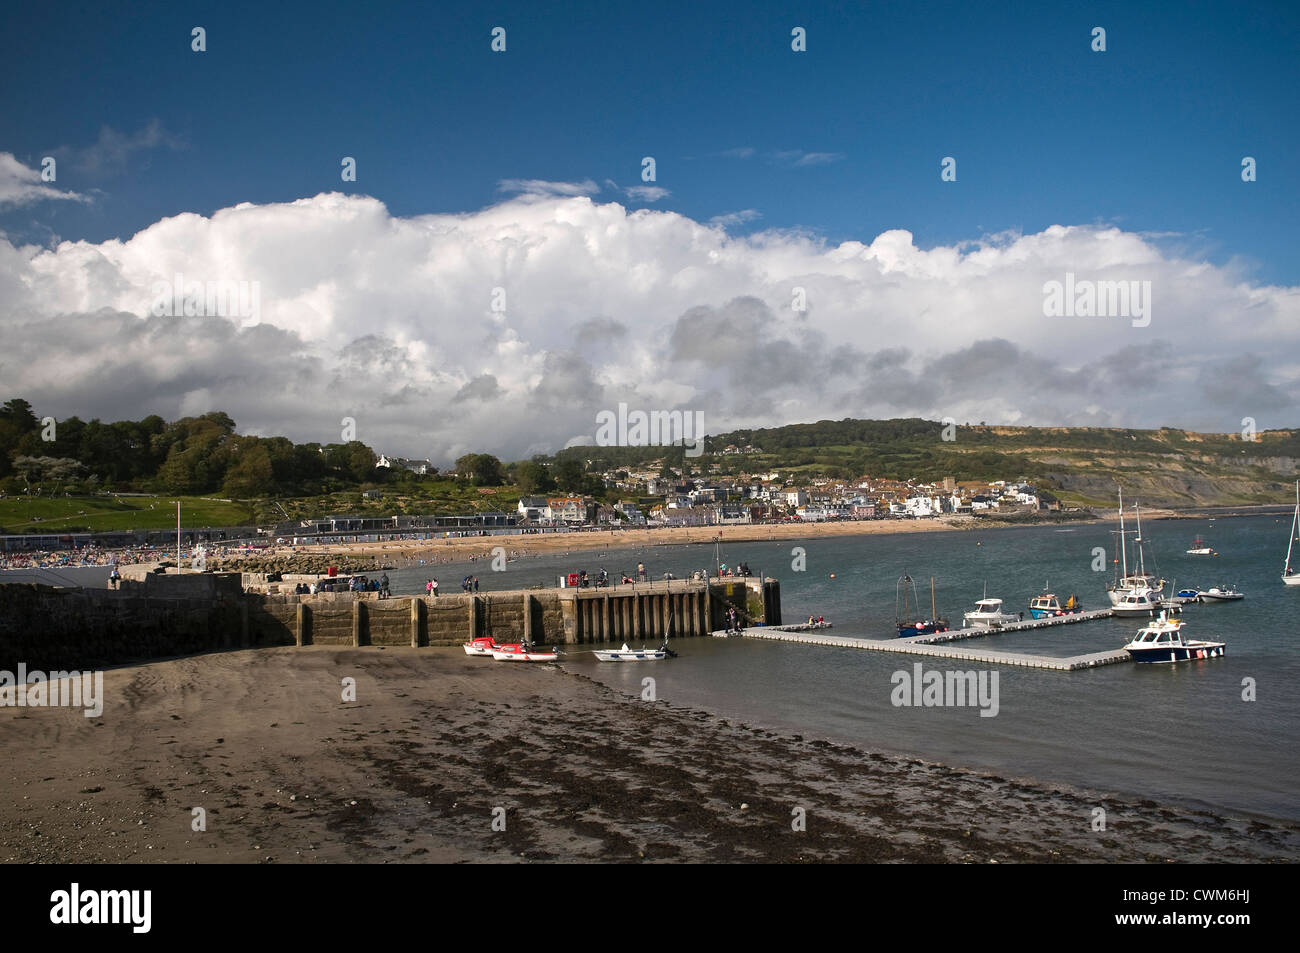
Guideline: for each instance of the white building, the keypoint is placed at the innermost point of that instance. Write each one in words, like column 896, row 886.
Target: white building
column 532, row 507
column 632, row 512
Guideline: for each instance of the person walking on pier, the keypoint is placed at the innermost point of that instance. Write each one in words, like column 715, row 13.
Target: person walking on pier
column 640, row 572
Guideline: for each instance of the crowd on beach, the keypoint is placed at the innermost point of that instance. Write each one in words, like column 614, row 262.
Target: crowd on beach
column 74, row 558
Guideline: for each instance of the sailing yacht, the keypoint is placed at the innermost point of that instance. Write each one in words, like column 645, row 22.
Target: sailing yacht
column 1290, row 571
column 1137, row 593
column 907, row 608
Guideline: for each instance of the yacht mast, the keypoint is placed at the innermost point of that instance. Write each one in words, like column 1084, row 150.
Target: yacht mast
column 1142, row 563
column 1123, row 552
column 1295, row 525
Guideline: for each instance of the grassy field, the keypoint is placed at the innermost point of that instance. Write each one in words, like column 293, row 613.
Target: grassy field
column 19, row 514
column 100, row 513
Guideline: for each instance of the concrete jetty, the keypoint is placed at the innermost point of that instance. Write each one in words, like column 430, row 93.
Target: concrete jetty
column 164, row 614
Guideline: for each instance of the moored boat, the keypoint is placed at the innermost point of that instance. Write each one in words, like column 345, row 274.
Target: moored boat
column 1135, row 602
column 988, row 614
column 1200, row 549
column 642, row 654
column 907, row 610
column 1173, row 604
column 1221, row 594
column 1291, row 572
column 480, row 646
column 1047, row 605
column 1139, row 593
column 523, row 652
column 1163, row 641
column 921, row 627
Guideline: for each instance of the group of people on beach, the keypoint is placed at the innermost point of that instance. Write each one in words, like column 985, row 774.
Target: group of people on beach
column 89, row 556
column 80, row 556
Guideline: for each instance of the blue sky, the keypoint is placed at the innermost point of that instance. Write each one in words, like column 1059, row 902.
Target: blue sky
column 781, row 176
column 1148, row 135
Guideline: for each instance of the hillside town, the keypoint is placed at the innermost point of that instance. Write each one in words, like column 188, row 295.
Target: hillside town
column 766, row 498
column 655, row 500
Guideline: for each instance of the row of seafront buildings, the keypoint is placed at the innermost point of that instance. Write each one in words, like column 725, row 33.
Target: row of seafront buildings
column 730, row 502
column 655, row 500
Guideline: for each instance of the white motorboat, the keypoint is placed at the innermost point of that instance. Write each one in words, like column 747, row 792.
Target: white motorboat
column 1291, row 572
column 1221, row 594
column 1135, row 602
column 1200, row 549
column 988, row 614
column 642, row 654
column 1163, row 641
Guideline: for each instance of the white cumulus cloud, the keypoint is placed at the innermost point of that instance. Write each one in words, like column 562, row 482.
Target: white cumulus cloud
column 508, row 329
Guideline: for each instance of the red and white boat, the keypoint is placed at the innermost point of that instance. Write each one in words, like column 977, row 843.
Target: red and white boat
column 481, row 646
column 517, row 652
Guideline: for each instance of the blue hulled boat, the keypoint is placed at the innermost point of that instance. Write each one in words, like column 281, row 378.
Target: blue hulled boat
column 907, row 612
column 1047, row 605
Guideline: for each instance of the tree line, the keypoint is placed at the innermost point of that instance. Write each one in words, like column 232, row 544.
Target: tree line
column 204, row 454
column 193, row 455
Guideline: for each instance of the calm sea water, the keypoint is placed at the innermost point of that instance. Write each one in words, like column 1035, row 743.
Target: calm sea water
column 1178, row 732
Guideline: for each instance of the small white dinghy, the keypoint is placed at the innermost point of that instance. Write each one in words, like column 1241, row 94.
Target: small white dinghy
column 642, row 654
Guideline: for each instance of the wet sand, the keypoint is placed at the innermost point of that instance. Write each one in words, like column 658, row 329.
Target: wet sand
column 413, row 769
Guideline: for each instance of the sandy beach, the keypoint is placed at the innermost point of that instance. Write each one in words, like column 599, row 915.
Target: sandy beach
column 463, row 547
column 402, row 552
column 436, row 742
